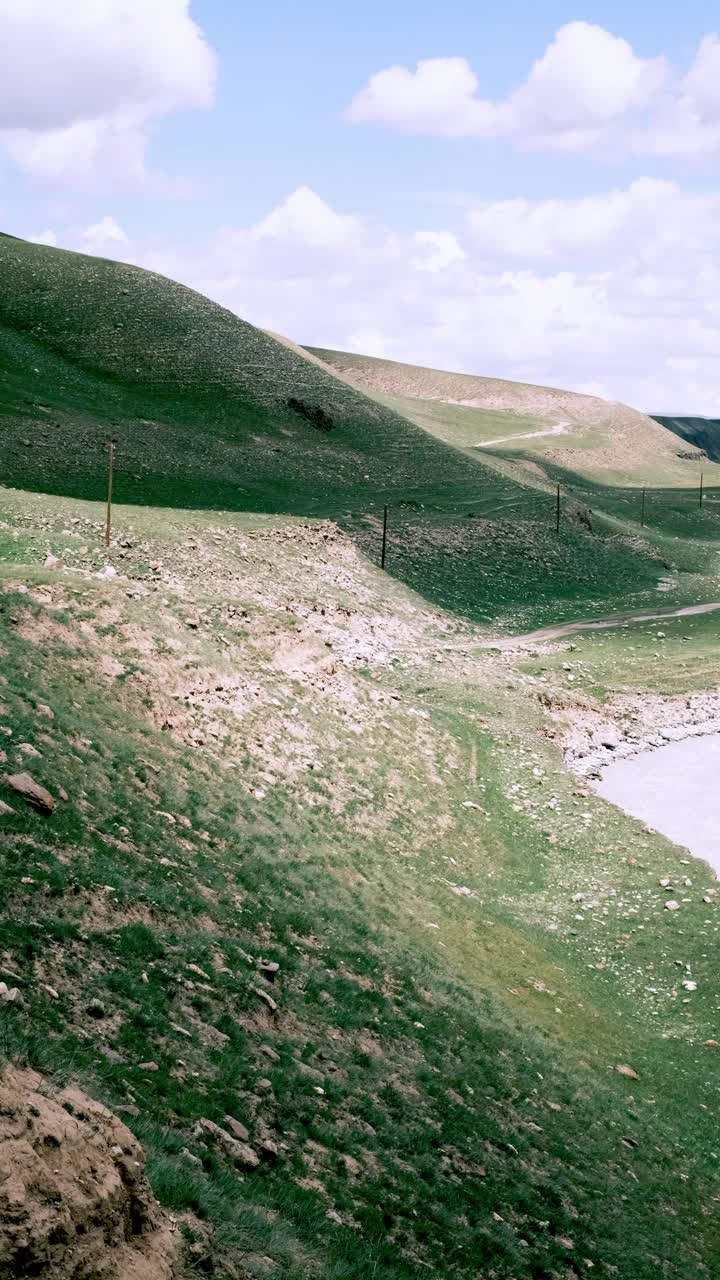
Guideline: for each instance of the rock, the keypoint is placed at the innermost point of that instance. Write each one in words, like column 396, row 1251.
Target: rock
column 148, row 1066
column 54, row 995
column 269, row 969
column 36, row 796
column 689, row 985
column 5, row 809
column 712, row 1044
column 10, row 995
column 266, row 999
column 352, row 1166
column 29, row 750
column 239, row 1152
column 191, row 1159
column 624, row 1070
column 672, row 905
column 107, row 573
column 72, row 1181
column 96, row 1009
column 53, row 562
column 269, row 1053
column 268, row 1149
column 44, row 710
column 310, row 1073
column 237, row 1129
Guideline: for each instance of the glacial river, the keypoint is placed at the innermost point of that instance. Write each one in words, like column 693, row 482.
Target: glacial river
column 676, row 790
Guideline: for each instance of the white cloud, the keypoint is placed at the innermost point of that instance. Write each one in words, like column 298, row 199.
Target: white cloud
column 79, row 80
column 588, row 88
column 585, row 80
column 305, row 219
column 618, row 292
column 103, row 235
column 443, row 250
column 48, row 237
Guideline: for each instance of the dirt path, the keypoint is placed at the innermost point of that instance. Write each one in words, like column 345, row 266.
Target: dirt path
column 558, row 430
column 600, row 624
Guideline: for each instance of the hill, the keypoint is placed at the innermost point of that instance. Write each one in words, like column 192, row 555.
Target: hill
column 310, row 912
column 309, row 898
column 700, row 433
column 208, row 411
column 591, row 437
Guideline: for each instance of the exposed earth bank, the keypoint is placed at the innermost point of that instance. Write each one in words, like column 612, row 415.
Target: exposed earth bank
column 74, row 1200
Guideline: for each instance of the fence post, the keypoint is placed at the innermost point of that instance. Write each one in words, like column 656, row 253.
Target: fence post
column 642, row 510
column 557, row 511
column 108, row 521
column 384, row 538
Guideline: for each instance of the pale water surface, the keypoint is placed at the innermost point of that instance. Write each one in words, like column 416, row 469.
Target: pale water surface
column 675, row 789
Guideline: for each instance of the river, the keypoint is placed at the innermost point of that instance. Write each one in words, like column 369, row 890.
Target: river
column 676, row 790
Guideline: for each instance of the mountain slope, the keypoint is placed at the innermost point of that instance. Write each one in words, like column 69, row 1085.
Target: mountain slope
column 701, row 433
column 596, row 438
column 208, row 411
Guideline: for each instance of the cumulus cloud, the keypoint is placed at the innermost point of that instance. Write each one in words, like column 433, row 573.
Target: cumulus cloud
column 101, row 69
column 588, row 88
column 617, row 292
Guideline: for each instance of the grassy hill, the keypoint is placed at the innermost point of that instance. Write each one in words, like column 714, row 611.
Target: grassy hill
column 475, row 1055
column 272, row 752
column 599, row 440
column 200, row 405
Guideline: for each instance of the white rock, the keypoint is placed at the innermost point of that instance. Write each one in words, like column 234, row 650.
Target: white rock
column 107, row 573
column 672, row 905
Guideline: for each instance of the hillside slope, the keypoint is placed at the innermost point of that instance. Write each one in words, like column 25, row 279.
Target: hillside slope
column 267, row 753
column 595, row 438
column 700, row 433
column 200, row 405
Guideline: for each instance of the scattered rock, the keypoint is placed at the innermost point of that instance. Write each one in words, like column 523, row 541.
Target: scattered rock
column 624, row 1070
column 107, row 573
column 191, row 1159
column 310, row 1073
column 266, row 999
column 5, row 808
column 672, row 905
column 237, row 1129
column 148, row 1066
column 269, row 1053
column 239, row 1152
column 29, row 750
column 86, row 1208
column 44, row 710
column 36, row 796
column 269, row 969
column 10, row 995
column 53, row 562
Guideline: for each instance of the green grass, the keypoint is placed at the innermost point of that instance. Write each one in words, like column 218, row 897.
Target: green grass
column 197, row 402
column 467, row 1067
column 440, row 1085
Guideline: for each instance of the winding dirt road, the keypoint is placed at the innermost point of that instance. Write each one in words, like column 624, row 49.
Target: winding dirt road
column 600, row 624
column 558, row 430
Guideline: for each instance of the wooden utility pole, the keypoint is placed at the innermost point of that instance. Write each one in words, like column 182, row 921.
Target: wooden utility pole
column 557, row 511
column 702, row 477
column 108, row 522
column 642, row 511
column 384, row 539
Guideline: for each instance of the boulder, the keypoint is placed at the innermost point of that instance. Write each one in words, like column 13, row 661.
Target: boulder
column 36, row 796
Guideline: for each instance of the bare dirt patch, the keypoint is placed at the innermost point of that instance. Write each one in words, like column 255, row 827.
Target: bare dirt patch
column 74, row 1200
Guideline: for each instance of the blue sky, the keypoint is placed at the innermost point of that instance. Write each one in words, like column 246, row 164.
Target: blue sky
column 396, row 176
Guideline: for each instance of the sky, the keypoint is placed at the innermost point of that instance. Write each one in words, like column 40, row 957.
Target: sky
column 526, row 190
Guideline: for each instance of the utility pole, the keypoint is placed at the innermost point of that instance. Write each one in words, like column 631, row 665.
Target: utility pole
column 557, row 511
column 384, row 538
column 642, row 511
column 702, row 477
column 108, row 522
